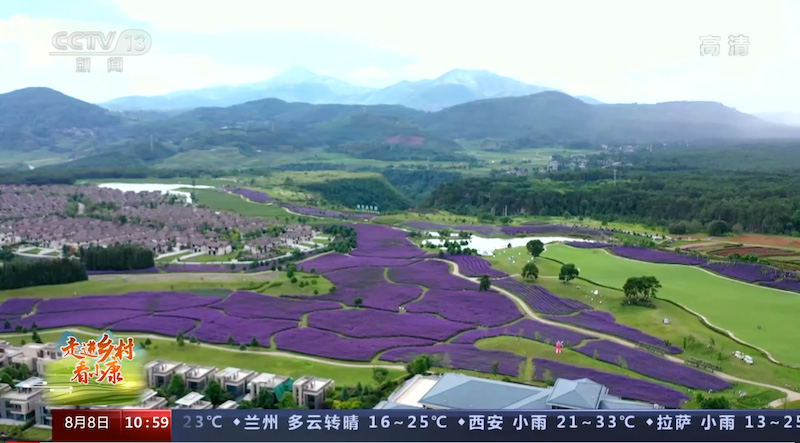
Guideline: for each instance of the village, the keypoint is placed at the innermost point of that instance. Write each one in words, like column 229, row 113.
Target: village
column 54, row 221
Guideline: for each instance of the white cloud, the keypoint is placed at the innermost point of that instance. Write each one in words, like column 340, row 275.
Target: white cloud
column 370, row 72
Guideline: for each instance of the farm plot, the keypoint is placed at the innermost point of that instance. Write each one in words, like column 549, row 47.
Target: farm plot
column 602, row 321
column 654, row 256
column 755, row 250
column 540, row 299
column 735, row 306
column 370, row 323
column 474, row 266
column 751, row 273
column 526, row 328
column 330, row 345
column 369, row 285
column 478, row 308
column 431, row 274
column 253, row 305
column 383, row 241
column 461, row 357
column 334, row 261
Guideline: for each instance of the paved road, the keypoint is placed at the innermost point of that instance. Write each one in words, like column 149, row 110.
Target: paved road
column 790, row 395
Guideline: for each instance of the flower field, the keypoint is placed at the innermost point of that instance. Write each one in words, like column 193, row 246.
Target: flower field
column 479, row 308
column 334, row 261
column 785, row 284
column 371, row 323
column 618, row 385
column 384, row 242
column 744, row 271
column 526, row 328
column 654, row 256
column 246, row 304
column 474, row 266
column 17, row 306
column 602, row 321
column 653, row 366
column 540, row 299
column 250, row 194
column 330, row 345
column 164, row 325
column 431, row 274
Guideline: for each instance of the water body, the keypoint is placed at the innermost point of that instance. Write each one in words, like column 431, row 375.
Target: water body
column 487, row 246
column 155, row 187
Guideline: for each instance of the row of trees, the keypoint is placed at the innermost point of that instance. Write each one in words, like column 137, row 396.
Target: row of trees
column 22, row 274
column 343, row 238
column 121, row 257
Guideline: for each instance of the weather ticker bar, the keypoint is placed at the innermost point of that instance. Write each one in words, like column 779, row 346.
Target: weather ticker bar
column 239, row 425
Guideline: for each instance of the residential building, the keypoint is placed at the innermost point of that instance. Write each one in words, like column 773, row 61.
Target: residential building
column 276, row 384
column 19, row 403
column 310, row 391
column 456, row 391
column 192, row 400
column 230, row 404
column 159, row 372
column 195, row 377
column 234, row 380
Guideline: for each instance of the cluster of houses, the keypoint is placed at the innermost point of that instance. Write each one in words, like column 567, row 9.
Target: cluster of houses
column 37, row 216
column 26, row 400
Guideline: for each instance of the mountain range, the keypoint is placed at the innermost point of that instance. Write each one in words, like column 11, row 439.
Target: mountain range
column 42, row 123
column 301, row 85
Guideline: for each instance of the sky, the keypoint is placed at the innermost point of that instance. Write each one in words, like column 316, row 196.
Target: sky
column 617, row 51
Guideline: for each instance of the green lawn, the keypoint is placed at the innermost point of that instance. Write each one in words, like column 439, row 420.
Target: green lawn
column 223, row 201
column 168, row 349
column 735, row 306
column 33, row 251
column 53, row 253
column 34, row 433
column 119, row 286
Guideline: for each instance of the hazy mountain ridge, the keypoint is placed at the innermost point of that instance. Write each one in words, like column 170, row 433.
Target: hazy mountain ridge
column 40, row 118
column 301, row 85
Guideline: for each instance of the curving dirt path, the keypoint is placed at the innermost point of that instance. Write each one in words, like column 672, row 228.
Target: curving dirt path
column 790, row 395
column 226, row 349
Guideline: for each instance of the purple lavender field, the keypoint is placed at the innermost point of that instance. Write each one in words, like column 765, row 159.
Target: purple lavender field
column 655, row 256
column 553, row 229
column 335, row 261
column 478, row 308
column 474, row 266
column 370, row 286
column 540, row 299
column 242, row 330
column 136, row 301
column 586, row 244
column 787, row 284
column 247, row 304
column 383, row 241
column 164, row 325
column 653, row 366
column 461, row 357
column 431, row 274
column 750, row 273
column 96, row 318
column 426, row 225
column 602, row 321
column 526, row 328
column 18, row 306
column 326, row 213
column 330, row 345
column 619, row 385
column 250, row 194
column 367, row 323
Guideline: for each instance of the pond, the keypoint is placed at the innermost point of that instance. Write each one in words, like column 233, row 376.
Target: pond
column 163, row 188
column 486, row 246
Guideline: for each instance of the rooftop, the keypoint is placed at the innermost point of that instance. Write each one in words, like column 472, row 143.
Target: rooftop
column 230, row 404
column 312, row 383
column 189, row 399
column 33, row 382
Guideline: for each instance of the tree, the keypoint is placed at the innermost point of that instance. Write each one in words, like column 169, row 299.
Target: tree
column 176, row 386
column 484, row 284
column 568, row 272
column 253, row 342
column 287, row 401
column 535, row 247
column 495, row 368
column 179, row 338
column 716, row 402
column 718, row 227
column 358, row 301
column 148, row 342
column 379, row 375
column 35, row 337
column 530, row 271
column 419, row 365
column 215, row 394
column 6, row 325
column 640, row 290
column 230, row 340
